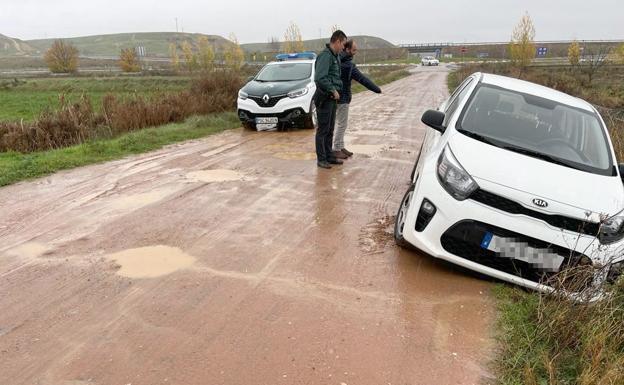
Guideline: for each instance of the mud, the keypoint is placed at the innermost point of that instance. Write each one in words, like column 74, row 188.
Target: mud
column 224, row 261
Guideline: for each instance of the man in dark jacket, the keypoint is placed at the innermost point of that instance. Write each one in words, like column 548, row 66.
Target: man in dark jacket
column 349, row 71
column 328, row 83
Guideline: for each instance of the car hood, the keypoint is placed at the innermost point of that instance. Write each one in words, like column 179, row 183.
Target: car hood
column 525, row 178
column 256, row 88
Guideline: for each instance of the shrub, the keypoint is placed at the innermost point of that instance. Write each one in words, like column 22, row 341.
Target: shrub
column 62, row 57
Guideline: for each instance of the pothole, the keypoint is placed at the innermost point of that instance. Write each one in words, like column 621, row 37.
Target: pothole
column 295, row 155
column 210, row 176
column 151, row 262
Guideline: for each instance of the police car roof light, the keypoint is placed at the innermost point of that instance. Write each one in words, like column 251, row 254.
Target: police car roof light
column 307, row 55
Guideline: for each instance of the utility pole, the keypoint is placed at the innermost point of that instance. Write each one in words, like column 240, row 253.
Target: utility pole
column 176, row 20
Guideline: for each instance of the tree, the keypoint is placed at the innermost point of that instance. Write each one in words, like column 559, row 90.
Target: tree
column 522, row 45
column 619, row 54
column 293, row 42
column 62, row 57
column 574, row 53
column 234, row 55
column 129, row 61
column 206, row 54
column 334, row 28
column 173, row 55
column 274, row 44
column 190, row 59
column 594, row 58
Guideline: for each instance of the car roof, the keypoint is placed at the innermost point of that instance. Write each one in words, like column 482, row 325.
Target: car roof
column 535, row 89
column 291, row 61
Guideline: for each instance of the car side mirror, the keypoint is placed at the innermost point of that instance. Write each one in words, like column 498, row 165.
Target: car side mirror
column 621, row 167
column 434, row 119
column 250, row 78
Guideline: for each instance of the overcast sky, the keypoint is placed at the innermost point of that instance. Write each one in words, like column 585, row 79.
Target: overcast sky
column 399, row 21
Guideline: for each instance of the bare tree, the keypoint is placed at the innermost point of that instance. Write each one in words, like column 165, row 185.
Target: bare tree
column 129, row 61
column 62, row 57
column 522, row 45
column 274, row 44
column 293, row 41
column 594, row 58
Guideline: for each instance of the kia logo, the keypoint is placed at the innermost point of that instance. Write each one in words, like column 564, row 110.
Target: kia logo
column 540, row 203
column 266, row 98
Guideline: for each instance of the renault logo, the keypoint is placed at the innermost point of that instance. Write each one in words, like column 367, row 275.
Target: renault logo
column 266, row 98
column 540, row 203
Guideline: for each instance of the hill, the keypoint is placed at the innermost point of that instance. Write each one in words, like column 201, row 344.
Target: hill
column 11, row 47
column 364, row 42
column 155, row 43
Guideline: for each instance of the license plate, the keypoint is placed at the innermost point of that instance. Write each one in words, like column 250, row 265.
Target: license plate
column 541, row 259
column 266, row 126
column 267, row 120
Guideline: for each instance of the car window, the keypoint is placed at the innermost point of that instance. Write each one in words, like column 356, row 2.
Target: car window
column 284, row 72
column 539, row 126
column 457, row 98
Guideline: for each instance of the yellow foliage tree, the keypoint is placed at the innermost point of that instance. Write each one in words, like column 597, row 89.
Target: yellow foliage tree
column 619, row 54
column 234, row 55
column 190, row 59
column 206, row 54
column 574, row 53
column 174, row 56
column 293, row 41
column 522, row 45
column 129, row 61
column 62, row 57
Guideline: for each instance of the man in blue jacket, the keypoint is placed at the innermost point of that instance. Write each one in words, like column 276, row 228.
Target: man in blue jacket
column 348, row 72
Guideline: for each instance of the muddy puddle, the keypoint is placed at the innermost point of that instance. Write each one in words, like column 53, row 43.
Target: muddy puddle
column 366, row 149
column 295, row 155
column 151, row 262
column 136, row 201
column 29, row 250
column 211, row 176
column 377, row 235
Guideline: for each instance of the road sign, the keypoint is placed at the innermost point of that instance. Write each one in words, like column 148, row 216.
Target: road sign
column 463, row 50
column 542, row 51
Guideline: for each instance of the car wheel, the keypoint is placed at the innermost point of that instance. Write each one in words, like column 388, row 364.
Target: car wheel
column 399, row 224
column 249, row 126
column 311, row 120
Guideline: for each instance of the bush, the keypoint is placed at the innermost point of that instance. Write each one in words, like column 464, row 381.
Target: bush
column 62, row 57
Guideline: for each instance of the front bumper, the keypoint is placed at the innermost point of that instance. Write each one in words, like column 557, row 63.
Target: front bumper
column 457, row 228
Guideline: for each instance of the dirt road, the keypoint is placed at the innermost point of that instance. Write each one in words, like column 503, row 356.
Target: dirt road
column 234, row 260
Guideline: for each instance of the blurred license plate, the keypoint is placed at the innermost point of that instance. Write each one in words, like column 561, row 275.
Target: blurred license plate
column 267, row 120
column 266, row 126
column 542, row 259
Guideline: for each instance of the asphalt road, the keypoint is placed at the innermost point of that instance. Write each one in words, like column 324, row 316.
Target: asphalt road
column 234, row 260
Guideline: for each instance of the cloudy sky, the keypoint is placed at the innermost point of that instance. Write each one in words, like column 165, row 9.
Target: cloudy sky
column 399, row 21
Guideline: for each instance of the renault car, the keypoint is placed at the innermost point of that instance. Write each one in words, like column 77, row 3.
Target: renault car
column 519, row 182
column 280, row 95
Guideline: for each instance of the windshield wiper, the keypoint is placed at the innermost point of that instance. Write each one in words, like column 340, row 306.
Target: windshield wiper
column 479, row 137
column 540, row 155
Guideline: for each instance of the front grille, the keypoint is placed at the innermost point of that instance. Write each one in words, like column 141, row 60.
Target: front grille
column 270, row 103
column 509, row 206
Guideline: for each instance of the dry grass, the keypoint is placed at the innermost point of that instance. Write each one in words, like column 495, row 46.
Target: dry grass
column 78, row 122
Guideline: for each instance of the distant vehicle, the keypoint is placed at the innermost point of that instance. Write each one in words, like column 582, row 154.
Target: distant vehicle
column 429, row 61
column 280, row 95
column 519, row 182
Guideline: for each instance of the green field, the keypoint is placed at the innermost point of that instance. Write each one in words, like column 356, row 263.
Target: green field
column 26, row 98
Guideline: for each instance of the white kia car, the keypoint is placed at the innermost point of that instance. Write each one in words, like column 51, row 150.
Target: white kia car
column 280, row 95
column 516, row 181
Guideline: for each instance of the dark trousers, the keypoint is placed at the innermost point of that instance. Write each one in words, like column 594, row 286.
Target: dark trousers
column 326, row 114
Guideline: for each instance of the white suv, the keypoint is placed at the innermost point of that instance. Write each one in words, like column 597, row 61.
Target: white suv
column 429, row 61
column 519, row 182
column 280, row 95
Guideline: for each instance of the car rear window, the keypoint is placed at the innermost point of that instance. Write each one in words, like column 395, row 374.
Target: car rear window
column 539, row 125
column 284, row 72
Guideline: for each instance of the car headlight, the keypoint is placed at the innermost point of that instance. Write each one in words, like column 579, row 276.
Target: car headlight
column 298, row 93
column 612, row 229
column 242, row 95
column 452, row 176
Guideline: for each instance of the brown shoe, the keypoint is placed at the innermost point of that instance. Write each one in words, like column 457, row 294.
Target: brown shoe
column 347, row 152
column 340, row 155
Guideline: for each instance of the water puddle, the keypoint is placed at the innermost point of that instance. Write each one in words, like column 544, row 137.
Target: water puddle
column 295, row 155
column 136, row 201
column 370, row 133
column 366, row 149
column 30, row 250
column 151, row 262
column 279, row 147
column 210, row 176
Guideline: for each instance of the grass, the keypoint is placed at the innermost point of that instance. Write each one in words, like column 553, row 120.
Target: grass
column 26, row 99
column 16, row 167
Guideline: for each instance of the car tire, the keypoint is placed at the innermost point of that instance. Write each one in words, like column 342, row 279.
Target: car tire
column 249, row 126
column 311, row 119
column 399, row 224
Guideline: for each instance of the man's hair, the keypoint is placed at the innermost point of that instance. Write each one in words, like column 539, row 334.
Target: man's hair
column 348, row 44
column 338, row 35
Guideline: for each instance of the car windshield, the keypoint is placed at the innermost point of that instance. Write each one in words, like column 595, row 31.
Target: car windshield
column 538, row 127
column 284, row 72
